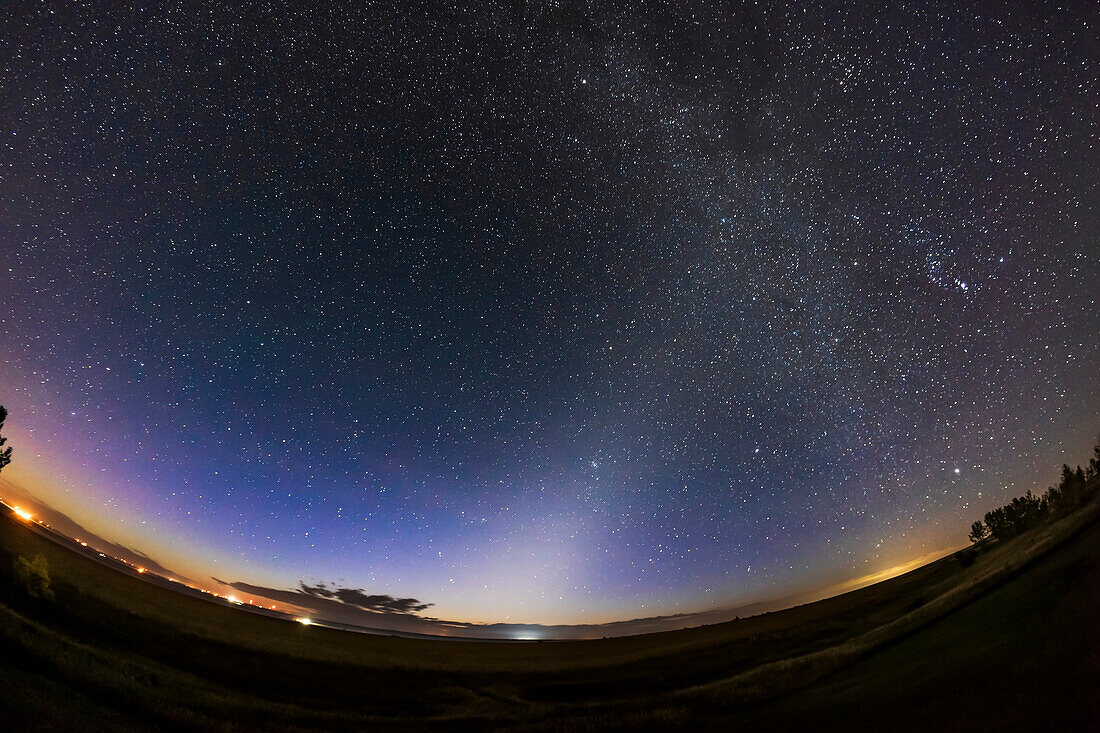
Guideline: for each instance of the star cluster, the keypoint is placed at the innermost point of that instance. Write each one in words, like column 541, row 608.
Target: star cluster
column 548, row 311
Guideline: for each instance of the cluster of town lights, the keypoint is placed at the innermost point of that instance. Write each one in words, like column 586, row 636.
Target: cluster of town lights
column 26, row 516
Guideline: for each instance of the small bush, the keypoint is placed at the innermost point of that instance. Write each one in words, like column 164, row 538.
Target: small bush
column 34, row 576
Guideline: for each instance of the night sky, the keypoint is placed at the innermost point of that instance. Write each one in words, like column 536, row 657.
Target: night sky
column 548, row 312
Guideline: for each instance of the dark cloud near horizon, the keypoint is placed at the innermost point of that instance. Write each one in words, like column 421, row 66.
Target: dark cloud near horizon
column 325, row 602
column 347, row 605
column 370, row 602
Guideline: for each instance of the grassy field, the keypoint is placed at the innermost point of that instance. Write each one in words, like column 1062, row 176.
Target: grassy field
column 977, row 645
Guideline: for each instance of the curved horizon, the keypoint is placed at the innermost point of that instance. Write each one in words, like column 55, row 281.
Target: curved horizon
column 351, row 609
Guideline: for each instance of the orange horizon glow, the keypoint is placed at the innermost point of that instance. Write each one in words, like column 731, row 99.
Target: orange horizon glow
column 825, row 592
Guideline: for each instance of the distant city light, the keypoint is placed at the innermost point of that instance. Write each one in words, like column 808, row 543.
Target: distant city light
column 304, row 621
column 23, row 514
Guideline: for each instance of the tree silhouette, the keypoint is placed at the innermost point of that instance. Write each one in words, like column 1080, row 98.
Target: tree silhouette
column 1071, row 486
column 5, row 453
column 978, row 532
column 1077, row 486
column 1000, row 524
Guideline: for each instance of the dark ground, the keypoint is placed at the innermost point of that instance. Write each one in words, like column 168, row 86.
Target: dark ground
column 1024, row 657
column 112, row 652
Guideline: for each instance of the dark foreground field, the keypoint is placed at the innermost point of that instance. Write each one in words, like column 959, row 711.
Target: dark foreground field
column 1006, row 641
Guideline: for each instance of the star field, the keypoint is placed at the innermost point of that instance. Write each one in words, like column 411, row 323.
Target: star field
column 550, row 312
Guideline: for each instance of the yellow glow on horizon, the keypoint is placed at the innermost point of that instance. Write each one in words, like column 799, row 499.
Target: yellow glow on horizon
column 892, row 572
column 23, row 514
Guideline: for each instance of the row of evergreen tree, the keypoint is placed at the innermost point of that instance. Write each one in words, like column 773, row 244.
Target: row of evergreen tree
column 1027, row 511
